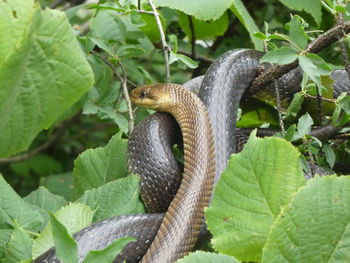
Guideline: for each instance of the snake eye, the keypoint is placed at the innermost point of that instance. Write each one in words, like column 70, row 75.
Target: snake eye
column 143, row 94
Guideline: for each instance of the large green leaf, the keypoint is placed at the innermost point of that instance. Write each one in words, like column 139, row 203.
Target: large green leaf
column 5, row 236
column 249, row 195
column 95, row 167
column 73, row 216
column 65, row 245
column 19, row 246
column 45, row 200
column 201, row 9
column 42, row 71
column 315, row 226
column 310, row 6
column 59, row 184
column 115, row 198
column 207, row 257
column 243, row 15
column 204, row 29
column 13, row 208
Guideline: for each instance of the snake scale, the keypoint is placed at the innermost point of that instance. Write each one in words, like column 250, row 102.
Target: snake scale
column 221, row 91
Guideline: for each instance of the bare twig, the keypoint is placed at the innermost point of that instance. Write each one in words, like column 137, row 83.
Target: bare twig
column 319, row 105
column 312, row 160
column 279, row 108
column 183, row 52
column 315, row 46
column 165, row 46
column 344, row 50
column 127, row 98
column 193, row 38
column 145, row 12
column 321, row 98
column 123, row 80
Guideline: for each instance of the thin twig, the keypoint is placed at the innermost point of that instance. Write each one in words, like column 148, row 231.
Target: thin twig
column 127, row 98
column 344, row 50
column 145, row 12
column 279, row 108
column 188, row 54
column 288, row 40
column 321, row 98
column 193, row 38
column 312, row 160
column 123, row 80
column 139, row 4
column 165, row 46
column 319, row 105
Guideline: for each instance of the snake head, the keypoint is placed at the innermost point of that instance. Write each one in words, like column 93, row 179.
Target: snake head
column 152, row 96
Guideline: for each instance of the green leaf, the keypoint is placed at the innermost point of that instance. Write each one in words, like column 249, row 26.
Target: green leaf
column 59, row 184
column 304, row 124
column 65, row 246
column 5, row 236
column 19, row 246
column 207, row 257
column 187, row 61
column 345, row 104
column 107, row 254
column 260, row 35
column 203, row 29
column 295, row 106
column 13, row 208
column 95, row 167
column 45, row 200
column 315, row 226
column 73, row 216
column 282, row 56
column 329, row 153
column 247, row 21
column 42, row 72
column 102, row 44
column 310, row 6
column 310, row 69
column 290, row 133
column 336, row 114
column 249, row 195
column 322, row 66
column 119, row 197
column 297, row 33
column 203, row 10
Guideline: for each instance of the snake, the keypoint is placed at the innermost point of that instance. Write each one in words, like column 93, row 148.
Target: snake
column 161, row 237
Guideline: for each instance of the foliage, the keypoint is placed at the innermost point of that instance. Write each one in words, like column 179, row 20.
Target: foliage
column 64, row 113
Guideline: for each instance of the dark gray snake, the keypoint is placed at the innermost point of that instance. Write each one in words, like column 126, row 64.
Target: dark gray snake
column 150, row 152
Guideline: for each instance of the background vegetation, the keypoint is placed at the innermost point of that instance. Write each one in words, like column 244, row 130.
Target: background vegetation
column 65, row 69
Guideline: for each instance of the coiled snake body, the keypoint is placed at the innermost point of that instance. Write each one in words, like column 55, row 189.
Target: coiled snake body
column 221, row 91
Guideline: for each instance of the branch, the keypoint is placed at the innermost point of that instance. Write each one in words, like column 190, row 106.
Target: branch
column 123, row 80
column 126, row 95
column 344, row 50
column 165, row 47
column 315, row 46
column 193, row 38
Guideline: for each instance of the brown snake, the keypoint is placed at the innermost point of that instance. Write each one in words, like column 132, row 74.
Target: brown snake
column 181, row 224
column 222, row 88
